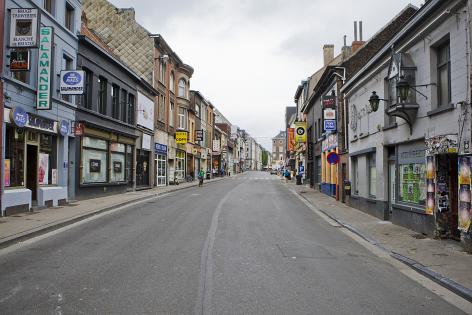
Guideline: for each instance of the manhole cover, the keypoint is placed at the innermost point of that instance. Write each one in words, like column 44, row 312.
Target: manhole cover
column 418, row 236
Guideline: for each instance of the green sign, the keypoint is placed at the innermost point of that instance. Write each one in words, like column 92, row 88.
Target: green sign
column 43, row 100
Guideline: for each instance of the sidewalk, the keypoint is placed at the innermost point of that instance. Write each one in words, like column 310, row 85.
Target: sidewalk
column 22, row 226
column 443, row 261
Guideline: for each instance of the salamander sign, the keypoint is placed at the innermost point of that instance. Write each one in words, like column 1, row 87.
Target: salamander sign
column 43, row 99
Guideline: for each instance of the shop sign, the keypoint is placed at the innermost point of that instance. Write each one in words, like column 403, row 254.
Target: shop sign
column 19, row 116
column 72, row 82
column 146, row 142
column 330, row 125
column 19, row 60
column 290, row 138
column 331, row 142
column 194, row 151
column 64, row 128
column 43, row 99
column 329, row 101
column 300, row 132
column 160, row 148
column 181, row 137
column 79, row 128
column 310, row 151
column 329, row 114
column 145, row 111
column 199, row 135
column 24, row 27
column 216, row 146
column 41, row 123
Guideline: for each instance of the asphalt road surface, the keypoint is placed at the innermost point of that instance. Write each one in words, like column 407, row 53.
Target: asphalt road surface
column 245, row 245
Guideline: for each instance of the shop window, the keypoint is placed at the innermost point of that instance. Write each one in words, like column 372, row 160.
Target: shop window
column 117, row 162
column 131, row 106
column 355, row 176
column 115, row 96
column 372, row 175
column 14, row 157
column 47, row 168
column 102, row 95
column 412, row 183
column 94, row 160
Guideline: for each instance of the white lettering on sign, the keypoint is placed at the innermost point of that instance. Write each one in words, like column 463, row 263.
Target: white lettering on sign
column 43, row 99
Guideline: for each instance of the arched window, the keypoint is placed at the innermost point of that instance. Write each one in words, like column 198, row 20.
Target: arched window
column 182, row 88
column 171, row 82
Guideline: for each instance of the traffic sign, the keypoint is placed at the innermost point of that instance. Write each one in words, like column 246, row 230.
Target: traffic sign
column 333, row 158
column 330, row 125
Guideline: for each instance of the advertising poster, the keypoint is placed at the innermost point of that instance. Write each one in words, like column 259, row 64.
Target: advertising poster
column 43, row 171
column 145, row 111
column 300, row 132
column 290, row 138
column 464, row 193
column 430, row 189
column 7, row 172
column 24, row 27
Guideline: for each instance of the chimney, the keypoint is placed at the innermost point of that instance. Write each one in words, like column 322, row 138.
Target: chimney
column 328, row 53
column 356, row 44
column 345, row 50
column 128, row 12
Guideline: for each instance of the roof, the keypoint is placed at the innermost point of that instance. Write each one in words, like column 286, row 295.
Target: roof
column 280, row 135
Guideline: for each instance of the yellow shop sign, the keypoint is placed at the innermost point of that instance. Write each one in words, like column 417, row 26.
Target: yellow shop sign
column 181, row 137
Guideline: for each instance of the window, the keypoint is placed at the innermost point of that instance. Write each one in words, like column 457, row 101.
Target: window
column 412, row 183
column 180, row 165
column 355, row 176
column 131, row 109
column 162, row 68
column 171, row 82
column 14, row 157
column 197, row 110
column 182, row 88
column 372, row 175
column 124, row 105
column 94, row 160
column 115, row 99
column 23, row 76
column 67, row 64
column 117, row 157
column 444, row 75
column 182, row 118
column 86, row 98
column 47, row 169
column 171, row 114
column 49, row 6
column 69, row 17
column 102, row 95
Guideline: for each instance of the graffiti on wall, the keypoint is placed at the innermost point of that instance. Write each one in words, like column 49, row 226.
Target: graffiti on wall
column 442, row 144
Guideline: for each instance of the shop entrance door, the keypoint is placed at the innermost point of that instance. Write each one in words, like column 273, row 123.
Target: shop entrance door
column 32, row 170
column 447, row 217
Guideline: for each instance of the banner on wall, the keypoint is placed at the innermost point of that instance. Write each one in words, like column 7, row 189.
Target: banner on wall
column 430, row 185
column 464, row 193
column 300, row 132
column 290, row 138
column 7, row 172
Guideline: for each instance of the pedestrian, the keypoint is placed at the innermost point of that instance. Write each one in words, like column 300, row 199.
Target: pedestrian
column 201, row 174
column 286, row 175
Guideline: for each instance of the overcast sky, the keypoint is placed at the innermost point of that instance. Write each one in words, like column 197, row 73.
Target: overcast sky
column 250, row 55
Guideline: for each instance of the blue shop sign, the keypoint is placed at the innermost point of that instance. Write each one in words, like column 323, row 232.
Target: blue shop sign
column 19, row 116
column 64, row 128
column 330, row 125
column 160, row 148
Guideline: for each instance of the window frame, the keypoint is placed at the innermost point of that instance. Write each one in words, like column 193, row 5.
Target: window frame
column 182, row 88
column 102, row 95
column 440, row 66
column 69, row 17
column 371, row 163
column 115, row 101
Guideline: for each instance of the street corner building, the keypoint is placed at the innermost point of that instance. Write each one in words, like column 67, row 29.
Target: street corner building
column 409, row 147
column 39, row 105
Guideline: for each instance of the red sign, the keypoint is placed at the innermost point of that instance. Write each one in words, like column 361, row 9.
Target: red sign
column 290, row 138
column 333, row 158
column 79, row 128
column 329, row 101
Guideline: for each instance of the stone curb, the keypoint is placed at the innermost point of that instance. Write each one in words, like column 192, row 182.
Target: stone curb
column 55, row 225
column 445, row 282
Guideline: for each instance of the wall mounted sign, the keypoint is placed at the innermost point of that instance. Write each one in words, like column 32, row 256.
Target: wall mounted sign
column 79, row 128
column 290, row 139
column 300, row 132
column 332, row 158
column 146, row 143
column 19, row 60
column 329, row 114
column 41, row 123
column 330, row 125
column 199, row 135
column 329, row 101
column 160, row 148
column 181, row 137
column 72, row 82
column 145, row 111
column 19, row 116
column 24, row 27
column 64, row 128
column 216, row 145
column 43, row 99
